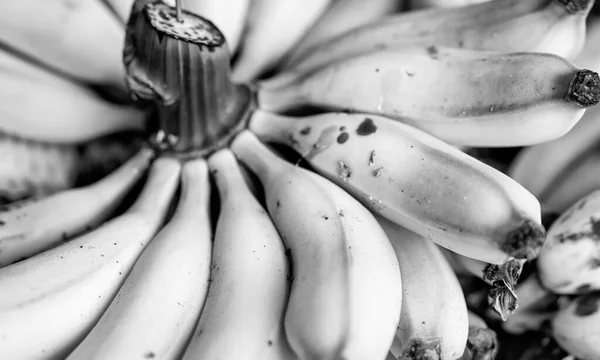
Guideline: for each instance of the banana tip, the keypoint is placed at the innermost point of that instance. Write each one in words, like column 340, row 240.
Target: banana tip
column 526, row 241
column 422, row 350
column 482, row 343
column 575, row 6
column 585, row 88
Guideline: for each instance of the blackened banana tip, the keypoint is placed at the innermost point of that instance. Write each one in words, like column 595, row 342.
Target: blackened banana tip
column 422, row 350
column 526, row 241
column 483, row 343
column 574, row 6
column 585, row 88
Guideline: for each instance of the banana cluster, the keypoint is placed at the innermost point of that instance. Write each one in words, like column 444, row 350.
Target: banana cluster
column 335, row 219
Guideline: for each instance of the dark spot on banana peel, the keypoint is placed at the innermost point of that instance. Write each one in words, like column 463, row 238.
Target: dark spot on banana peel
column 2, row 223
column 585, row 88
column 483, row 343
column 595, row 226
column 342, row 128
column 433, row 51
column 595, row 263
column 342, row 138
column 422, row 350
column 367, row 127
column 574, row 6
column 587, row 304
column 305, row 131
column 525, row 241
column 150, row 355
column 372, row 158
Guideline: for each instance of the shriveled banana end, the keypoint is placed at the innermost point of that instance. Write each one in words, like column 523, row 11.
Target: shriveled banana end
column 482, row 344
column 585, row 88
column 422, row 350
column 525, row 241
column 33, row 169
column 575, row 6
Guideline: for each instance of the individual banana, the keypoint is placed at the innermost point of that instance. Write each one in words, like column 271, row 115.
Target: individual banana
column 154, row 313
column 415, row 180
column 575, row 328
column 33, row 169
column 434, row 321
column 39, row 105
column 504, row 100
column 570, row 261
column 546, row 26
column 482, row 343
column 421, row 4
column 273, row 28
column 342, row 16
column 80, row 39
column 249, row 286
column 52, row 300
column 33, row 227
column 345, row 298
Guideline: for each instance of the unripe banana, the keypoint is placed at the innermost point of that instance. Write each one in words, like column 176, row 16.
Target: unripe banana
column 434, row 320
column 72, row 284
column 546, row 26
column 273, row 28
column 570, row 261
column 511, row 99
column 154, row 313
column 81, row 39
column 482, row 343
column 30, row 169
column 42, row 106
column 576, row 327
column 345, row 300
column 417, row 181
column 249, row 288
column 39, row 225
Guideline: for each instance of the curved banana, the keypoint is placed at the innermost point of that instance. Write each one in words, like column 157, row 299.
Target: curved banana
column 434, row 321
column 273, row 28
column 154, row 313
column 342, row 16
column 575, row 328
column 32, row 169
column 570, row 261
column 417, row 181
column 42, row 106
column 545, row 26
column 37, row 226
column 74, row 283
column 343, row 302
column 482, row 343
column 243, row 314
column 81, row 39
column 512, row 99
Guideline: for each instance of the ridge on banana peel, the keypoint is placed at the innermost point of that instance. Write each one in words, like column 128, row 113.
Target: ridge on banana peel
column 545, row 26
column 155, row 311
column 30, row 169
column 35, row 226
column 74, row 283
column 391, row 168
column 575, row 327
column 433, row 322
column 505, row 99
column 344, row 299
column 249, row 287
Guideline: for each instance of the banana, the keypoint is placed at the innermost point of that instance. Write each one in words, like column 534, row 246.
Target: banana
column 273, row 28
column 37, row 226
column 434, row 320
column 249, row 285
column 545, row 26
column 33, row 169
column 342, row 16
column 72, row 284
column 154, row 313
column 345, row 298
column 504, row 100
column 482, row 343
column 420, row 4
column 81, row 39
column 415, row 180
column 42, row 106
column 575, row 328
column 570, row 262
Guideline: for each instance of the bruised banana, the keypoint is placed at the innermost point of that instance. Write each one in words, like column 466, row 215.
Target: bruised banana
column 33, row 169
column 42, row 106
column 154, row 313
column 417, row 181
column 434, row 322
column 36, row 226
column 346, row 297
column 80, row 39
column 482, row 343
column 74, row 283
column 249, row 285
column 569, row 263
column 546, row 26
column 281, row 22
column 575, row 327
column 512, row 99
